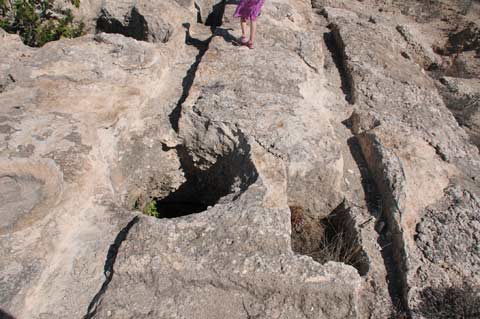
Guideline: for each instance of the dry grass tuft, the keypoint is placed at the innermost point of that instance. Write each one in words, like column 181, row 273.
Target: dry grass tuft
column 330, row 239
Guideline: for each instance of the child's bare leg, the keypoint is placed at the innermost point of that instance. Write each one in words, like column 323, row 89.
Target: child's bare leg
column 243, row 24
column 253, row 28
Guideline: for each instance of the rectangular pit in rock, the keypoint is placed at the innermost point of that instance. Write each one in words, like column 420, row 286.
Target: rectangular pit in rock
column 333, row 238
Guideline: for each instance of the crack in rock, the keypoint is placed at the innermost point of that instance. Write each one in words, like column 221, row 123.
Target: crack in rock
column 108, row 269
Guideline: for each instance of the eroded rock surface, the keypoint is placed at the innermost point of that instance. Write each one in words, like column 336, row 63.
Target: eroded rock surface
column 331, row 172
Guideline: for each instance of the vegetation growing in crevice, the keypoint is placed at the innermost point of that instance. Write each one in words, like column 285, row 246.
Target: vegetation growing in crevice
column 330, row 239
column 151, row 209
column 39, row 21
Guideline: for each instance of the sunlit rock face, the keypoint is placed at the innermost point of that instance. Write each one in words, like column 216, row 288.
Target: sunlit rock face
column 157, row 168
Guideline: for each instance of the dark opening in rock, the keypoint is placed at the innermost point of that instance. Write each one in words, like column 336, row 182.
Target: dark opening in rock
column 333, row 238
column 224, row 180
column 336, row 47
column 215, row 18
column 5, row 315
column 134, row 25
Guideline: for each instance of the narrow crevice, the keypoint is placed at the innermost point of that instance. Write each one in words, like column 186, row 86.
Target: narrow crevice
column 215, row 18
column 6, row 82
column 336, row 47
column 199, row 15
column 375, row 206
column 332, row 238
column 187, row 82
column 108, row 269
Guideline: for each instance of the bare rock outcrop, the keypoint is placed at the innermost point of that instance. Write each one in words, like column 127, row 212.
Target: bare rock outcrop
column 155, row 168
column 65, row 121
column 90, row 134
column 242, row 261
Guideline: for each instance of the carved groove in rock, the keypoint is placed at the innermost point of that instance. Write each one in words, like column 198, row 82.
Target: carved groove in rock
column 391, row 235
column 336, row 47
column 375, row 205
column 461, row 96
column 333, row 238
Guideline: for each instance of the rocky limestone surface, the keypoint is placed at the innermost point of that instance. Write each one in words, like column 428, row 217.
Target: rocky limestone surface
column 331, row 172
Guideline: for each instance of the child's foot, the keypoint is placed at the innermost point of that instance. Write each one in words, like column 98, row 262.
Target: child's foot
column 249, row 44
column 243, row 40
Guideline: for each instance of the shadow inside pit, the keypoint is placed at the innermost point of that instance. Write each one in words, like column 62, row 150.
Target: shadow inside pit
column 5, row 315
column 231, row 174
column 449, row 302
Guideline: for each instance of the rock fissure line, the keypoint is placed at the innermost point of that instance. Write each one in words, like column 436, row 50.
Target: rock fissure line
column 187, row 81
column 108, row 269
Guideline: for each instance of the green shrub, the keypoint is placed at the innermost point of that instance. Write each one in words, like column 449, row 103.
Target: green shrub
column 151, row 209
column 3, row 7
column 38, row 22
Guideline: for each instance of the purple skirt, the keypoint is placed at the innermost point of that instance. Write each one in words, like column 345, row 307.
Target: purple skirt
column 249, row 9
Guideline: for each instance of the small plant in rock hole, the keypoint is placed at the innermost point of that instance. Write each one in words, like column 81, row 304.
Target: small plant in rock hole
column 327, row 240
column 151, row 209
column 297, row 218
